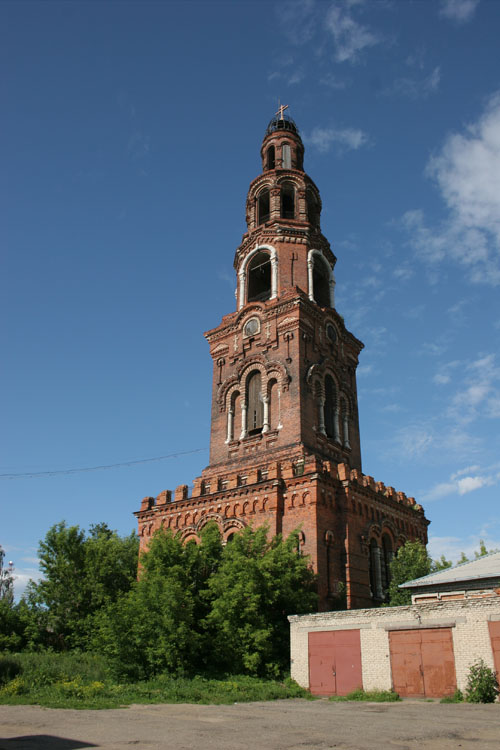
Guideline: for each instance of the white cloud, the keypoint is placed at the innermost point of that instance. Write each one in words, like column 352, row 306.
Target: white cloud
column 138, row 145
column 480, row 393
column 350, row 37
column 333, row 82
column 467, row 173
column 416, row 88
column 297, row 19
column 344, row 138
column 459, row 11
column 364, row 370
column 452, row 547
column 441, row 379
column 460, row 486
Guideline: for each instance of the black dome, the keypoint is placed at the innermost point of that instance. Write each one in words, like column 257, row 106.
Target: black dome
column 284, row 122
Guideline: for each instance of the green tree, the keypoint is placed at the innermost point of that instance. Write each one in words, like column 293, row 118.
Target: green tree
column 6, row 580
column 259, row 582
column 80, row 575
column 412, row 561
column 155, row 627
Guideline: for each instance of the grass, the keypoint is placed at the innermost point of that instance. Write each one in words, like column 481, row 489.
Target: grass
column 85, row 681
column 375, row 696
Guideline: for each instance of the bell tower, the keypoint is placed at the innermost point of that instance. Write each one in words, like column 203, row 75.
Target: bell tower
column 284, row 363
column 284, row 442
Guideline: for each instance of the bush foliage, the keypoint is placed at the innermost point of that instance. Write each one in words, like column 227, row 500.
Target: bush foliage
column 204, row 608
column 482, row 684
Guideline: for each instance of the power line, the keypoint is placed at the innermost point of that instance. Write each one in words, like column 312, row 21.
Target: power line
column 81, row 470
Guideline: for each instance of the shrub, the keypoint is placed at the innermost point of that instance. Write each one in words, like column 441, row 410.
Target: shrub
column 482, row 684
column 457, row 697
column 375, row 696
column 9, row 668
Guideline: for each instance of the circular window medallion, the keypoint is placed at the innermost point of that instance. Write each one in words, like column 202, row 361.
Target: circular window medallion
column 331, row 333
column 252, row 327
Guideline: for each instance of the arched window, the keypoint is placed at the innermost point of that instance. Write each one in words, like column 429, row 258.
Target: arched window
column 312, row 208
column 259, row 277
column 234, row 417
column 321, row 282
column 330, row 407
column 387, row 555
column 287, row 201
column 263, row 206
column 255, row 409
column 374, row 569
column 271, row 157
column 286, row 156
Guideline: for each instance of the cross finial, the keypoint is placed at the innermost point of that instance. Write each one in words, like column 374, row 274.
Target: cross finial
column 281, row 109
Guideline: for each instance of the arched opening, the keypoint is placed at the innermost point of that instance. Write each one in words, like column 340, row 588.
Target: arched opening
column 271, row 159
column 312, row 208
column 263, row 203
column 321, row 282
column 387, row 555
column 330, row 407
column 259, row 277
column 374, row 582
column 255, row 410
column 273, row 405
column 287, row 201
column 286, row 156
column 234, row 428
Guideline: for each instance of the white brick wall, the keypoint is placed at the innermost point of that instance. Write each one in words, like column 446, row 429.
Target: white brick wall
column 468, row 621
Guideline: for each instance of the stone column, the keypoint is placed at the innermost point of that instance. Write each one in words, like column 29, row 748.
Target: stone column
column 310, row 291
column 230, row 422
column 346, row 431
column 241, row 283
column 243, row 420
column 265, row 421
column 336, row 425
column 321, row 412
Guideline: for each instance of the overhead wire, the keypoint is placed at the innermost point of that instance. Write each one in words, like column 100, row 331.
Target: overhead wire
column 100, row 467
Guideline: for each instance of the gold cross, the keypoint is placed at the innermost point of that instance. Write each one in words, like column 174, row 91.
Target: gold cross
column 281, row 109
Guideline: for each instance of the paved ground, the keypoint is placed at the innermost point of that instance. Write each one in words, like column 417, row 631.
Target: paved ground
column 282, row 725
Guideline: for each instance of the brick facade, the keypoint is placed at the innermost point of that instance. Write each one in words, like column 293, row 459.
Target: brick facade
column 284, row 444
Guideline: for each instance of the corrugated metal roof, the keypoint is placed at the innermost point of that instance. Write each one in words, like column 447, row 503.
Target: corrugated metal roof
column 484, row 567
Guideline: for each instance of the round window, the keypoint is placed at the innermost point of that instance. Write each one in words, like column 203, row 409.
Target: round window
column 252, row 327
column 331, row 333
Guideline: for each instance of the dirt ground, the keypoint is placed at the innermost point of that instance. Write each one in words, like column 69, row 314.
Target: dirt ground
column 282, row 725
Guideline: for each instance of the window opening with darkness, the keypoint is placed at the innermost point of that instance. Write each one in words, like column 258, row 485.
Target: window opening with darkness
column 287, row 201
column 255, row 414
column 321, row 283
column 263, row 207
column 387, row 556
column 259, row 278
column 271, row 159
column 286, row 156
column 312, row 209
column 330, row 406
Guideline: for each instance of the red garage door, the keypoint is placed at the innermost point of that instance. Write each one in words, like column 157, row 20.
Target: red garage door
column 334, row 662
column 423, row 662
column 495, row 644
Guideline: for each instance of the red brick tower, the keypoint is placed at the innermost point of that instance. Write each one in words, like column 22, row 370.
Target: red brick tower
column 284, row 445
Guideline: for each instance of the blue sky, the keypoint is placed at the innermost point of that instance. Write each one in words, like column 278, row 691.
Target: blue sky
column 130, row 134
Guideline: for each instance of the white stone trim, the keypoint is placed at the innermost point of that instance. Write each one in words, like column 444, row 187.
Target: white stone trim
column 242, row 273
